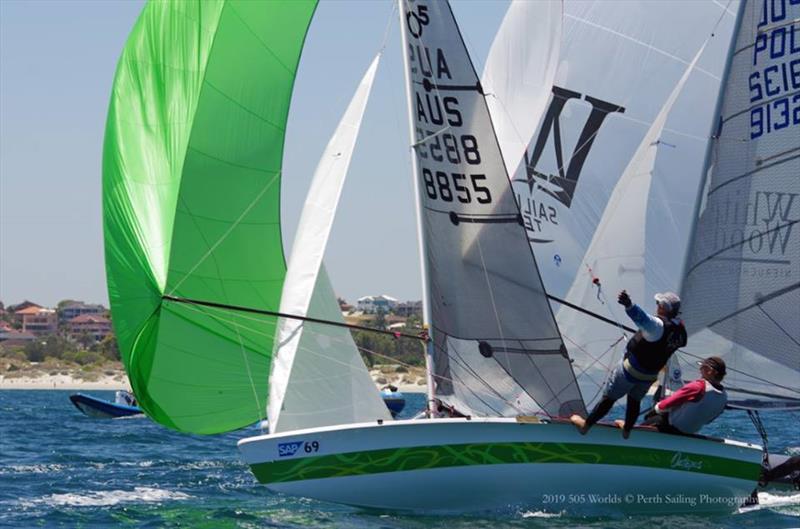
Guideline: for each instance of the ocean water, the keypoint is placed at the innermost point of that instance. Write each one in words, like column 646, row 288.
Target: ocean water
column 59, row 468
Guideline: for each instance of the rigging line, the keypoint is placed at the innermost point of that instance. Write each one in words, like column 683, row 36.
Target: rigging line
column 465, row 365
column 590, row 313
column 585, row 369
column 606, row 320
column 258, row 331
column 725, row 8
column 740, row 243
column 287, row 316
column 754, row 377
column 249, row 373
column 389, row 24
column 306, row 349
column 778, row 325
column 475, row 391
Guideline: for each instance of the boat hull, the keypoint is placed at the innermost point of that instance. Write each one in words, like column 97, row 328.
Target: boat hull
column 102, row 409
column 459, row 465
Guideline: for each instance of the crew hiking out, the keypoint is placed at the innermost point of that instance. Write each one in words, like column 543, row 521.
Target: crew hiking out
column 646, row 354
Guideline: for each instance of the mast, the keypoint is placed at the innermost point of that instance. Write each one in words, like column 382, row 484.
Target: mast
column 426, row 319
column 715, row 124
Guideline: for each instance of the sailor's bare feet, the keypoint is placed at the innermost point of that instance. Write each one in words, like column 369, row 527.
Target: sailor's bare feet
column 580, row 422
column 621, row 424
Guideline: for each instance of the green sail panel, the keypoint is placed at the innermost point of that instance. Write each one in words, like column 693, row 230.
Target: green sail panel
column 191, row 203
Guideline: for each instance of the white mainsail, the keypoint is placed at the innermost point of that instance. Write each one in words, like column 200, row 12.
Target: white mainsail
column 742, row 280
column 617, row 254
column 318, row 377
column 497, row 347
column 520, row 71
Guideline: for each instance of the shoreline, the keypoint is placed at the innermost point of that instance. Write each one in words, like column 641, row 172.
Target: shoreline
column 406, row 381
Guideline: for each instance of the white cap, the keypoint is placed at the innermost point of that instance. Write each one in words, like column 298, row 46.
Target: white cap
column 670, row 301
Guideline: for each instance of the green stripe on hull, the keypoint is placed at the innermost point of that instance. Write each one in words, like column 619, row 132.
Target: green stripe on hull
column 428, row 457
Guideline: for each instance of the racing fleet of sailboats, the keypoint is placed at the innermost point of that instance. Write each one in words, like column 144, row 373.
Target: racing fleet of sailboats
column 519, row 332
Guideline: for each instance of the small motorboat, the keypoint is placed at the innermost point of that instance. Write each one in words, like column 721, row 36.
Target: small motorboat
column 124, row 405
column 393, row 399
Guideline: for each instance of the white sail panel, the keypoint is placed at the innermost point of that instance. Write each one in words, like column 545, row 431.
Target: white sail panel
column 616, row 260
column 520, row 71
column 317, row 370
column 742, row 280
column 485, row 294
column 328, row 383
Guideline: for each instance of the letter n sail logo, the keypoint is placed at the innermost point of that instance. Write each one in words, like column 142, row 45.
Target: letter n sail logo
column 561, row 183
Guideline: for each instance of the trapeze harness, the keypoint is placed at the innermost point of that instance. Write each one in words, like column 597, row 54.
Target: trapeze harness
column 643, row 359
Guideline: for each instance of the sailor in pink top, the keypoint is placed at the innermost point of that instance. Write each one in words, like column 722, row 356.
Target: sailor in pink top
column 694, row 405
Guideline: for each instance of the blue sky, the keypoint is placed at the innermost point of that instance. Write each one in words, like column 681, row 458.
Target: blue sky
column 57, row 61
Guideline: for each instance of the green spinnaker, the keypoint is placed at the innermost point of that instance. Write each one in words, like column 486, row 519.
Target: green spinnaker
column 191, row 203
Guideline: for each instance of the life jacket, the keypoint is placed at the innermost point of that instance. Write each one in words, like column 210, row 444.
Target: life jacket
column 689, row 417
column 643, row 359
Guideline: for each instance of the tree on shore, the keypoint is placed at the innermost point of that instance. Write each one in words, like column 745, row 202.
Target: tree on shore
column 42, row 347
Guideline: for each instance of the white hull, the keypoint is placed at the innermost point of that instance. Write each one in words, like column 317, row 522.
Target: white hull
column 459, row 465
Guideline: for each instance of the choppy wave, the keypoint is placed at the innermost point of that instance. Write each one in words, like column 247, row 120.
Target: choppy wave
column 541, row 514
column 109, row 497
column 32, row 469
column 767, row 500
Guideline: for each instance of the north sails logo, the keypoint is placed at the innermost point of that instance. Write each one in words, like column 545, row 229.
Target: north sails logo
column 562, row 186
column 539, row 212
column 684, row 463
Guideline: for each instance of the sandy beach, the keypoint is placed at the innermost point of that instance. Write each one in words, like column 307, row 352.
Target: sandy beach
column 112, row 376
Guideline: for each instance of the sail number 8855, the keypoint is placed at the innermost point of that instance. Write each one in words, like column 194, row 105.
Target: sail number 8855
column 447, row 187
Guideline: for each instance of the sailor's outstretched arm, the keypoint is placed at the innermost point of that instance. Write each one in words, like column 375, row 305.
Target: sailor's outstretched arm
column 652, row 328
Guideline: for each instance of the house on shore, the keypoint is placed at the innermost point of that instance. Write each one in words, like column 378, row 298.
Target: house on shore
column 96, row 326
column 37, row 320
column 373, row 304
column 78, row 308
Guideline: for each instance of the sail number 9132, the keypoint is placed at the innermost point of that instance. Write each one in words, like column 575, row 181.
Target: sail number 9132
column 440, row 185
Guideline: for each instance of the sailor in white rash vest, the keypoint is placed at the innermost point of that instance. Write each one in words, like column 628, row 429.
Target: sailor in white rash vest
column 694, row 405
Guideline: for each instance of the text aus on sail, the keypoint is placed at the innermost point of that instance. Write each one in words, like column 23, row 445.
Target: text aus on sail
column 438, row 119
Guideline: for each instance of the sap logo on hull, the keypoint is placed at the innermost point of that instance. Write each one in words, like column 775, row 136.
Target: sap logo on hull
column 289, row 449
